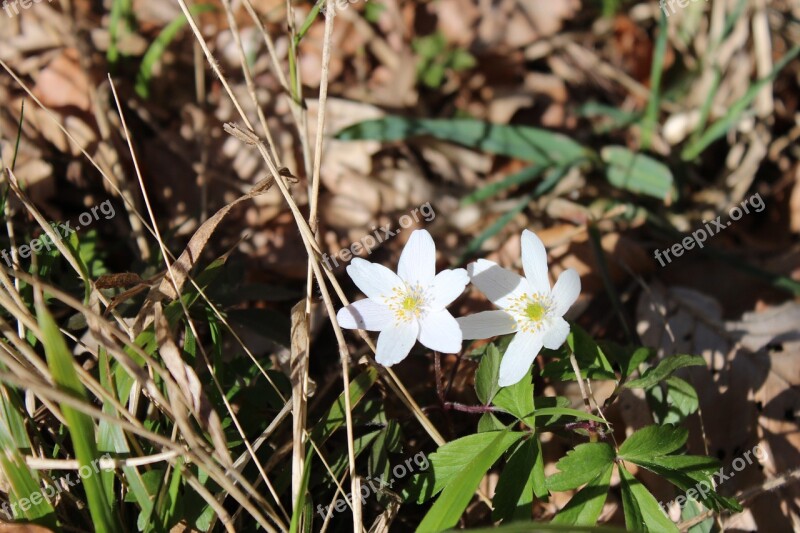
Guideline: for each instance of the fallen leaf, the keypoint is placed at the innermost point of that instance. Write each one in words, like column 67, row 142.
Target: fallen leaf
column 62, row 83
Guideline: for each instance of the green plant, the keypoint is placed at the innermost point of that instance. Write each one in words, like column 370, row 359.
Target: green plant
column 436, row 57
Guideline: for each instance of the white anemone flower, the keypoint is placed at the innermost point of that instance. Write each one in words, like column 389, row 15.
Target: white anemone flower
column 528, row 306
column 408, row 306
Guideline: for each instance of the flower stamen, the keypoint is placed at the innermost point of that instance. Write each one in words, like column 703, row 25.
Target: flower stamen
column 531, row 311
column 407, row 303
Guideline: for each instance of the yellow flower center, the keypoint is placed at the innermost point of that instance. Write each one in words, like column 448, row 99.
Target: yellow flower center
column 407, row 302
column 535, row 311
column 411, row 303
column 531, row 311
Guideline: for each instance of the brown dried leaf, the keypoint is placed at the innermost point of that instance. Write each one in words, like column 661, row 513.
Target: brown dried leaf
column 23, row 528
column 748, row 392
column 181, row 268
column 63, row 83
column 299, row 377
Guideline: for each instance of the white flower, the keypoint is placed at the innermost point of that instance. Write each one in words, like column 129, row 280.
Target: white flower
column 529, row 307
column 408, row 306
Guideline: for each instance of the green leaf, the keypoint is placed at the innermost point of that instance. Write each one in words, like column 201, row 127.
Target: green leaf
column 489, row 422
column 459, row 491
column 517, row 399
column 429, row 46
column 690, row 472
column 540, row 527
column 448, row 461
column 673, row 400
column 372, row 11
column 514, row 493
column 586, row 350
column 586, row 505
column 539, row 481
column 628, row 359
column 81, row 426
column 692, row 509
column 642, row 512
column 460, row 59
column 651, row 441
column 665, row 369
column 486, row 377
column 593, row 362
column 159, row 46
column 581, row 465
column 638, row 173
column 567, row 411
column 388, row 440
column 522, row 142
column 432, row 75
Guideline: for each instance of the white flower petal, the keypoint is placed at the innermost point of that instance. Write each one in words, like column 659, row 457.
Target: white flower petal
column 486, row 324
column 375, row 280
column 395, row 343
column 446, row 287
column 534, row 262
column 418, row 261
column 556, row 334
column 365, row 314
column 566, row 291
column 498, row 284
column 439, row 331
column 518, row 357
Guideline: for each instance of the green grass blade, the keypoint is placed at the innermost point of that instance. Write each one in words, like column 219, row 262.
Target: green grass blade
column 730, row 259
column 25, row 493
column 476, row 243
column 550, row 180
column 312, row 15
column 120, row 10
column 657, row 69
column 81, row 426
column 334, row 418
column 721, row 127
column 19, row 135
column 297, row 514
column 10, row 408
column 159, row 46
column 518, row 178
column 112, row 439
